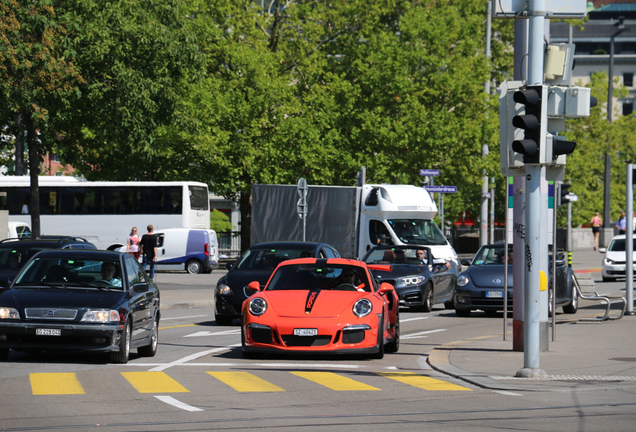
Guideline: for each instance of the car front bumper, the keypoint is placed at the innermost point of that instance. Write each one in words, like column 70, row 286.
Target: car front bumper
column 81, row 337
column 486, row 299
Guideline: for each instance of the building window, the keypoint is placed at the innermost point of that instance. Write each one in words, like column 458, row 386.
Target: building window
column 628, row 79
column 56, row 158
column 628, row 108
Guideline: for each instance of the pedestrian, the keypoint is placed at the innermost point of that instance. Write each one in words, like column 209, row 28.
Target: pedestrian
column 148, row 245
column 621, row 224
column 596, row 222
column 133, row 243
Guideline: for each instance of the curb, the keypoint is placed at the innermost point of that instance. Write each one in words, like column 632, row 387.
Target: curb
column 187, row 304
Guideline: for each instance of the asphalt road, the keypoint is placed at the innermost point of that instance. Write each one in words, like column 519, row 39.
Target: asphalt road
column 199, row 381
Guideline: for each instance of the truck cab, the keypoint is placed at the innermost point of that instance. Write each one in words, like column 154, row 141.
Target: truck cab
column 400, row 215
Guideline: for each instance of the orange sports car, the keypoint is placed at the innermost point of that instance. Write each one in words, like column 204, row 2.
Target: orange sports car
column 321, row 305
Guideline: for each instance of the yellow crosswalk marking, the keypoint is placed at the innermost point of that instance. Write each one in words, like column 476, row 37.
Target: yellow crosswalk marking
column 334, row 381
column 55, row 384
column 153, row 382
column 245, row 382
column 421, row 381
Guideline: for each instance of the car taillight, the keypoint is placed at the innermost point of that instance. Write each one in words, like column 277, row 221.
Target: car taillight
column 206, row 249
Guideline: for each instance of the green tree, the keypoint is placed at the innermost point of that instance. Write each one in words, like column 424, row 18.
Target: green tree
column 219, row 221
column 37, row 78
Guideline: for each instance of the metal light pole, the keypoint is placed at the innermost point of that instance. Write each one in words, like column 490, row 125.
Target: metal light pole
column 608, row 165
column 483, row 209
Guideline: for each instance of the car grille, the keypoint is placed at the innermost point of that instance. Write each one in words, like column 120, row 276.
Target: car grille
column 320, row 340
column 50, row 313
column 260, row 335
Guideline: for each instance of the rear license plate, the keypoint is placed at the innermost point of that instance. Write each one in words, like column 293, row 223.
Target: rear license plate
column 48, row 332
column 305, row 332
column 494, row 294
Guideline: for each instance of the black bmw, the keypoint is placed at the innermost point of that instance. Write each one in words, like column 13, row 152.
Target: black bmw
column 84, row 300
column 419, row 279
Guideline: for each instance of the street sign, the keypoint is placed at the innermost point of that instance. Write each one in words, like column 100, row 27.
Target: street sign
column 441, row 189
column 429, row 172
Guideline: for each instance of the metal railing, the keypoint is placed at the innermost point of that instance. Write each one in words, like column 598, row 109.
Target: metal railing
column 229, row 244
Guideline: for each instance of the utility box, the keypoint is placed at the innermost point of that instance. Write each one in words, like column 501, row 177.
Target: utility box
column 570, row 102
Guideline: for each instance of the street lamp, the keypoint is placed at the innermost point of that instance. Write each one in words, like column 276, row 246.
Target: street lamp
column 620, row 26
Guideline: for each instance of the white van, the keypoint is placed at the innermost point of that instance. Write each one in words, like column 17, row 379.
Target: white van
column 19, row 230
column 192, row 250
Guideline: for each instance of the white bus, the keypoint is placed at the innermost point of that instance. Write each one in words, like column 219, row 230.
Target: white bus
column 104, row 212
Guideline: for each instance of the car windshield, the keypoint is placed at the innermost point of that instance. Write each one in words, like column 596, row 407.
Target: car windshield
column 268, row 259
column 68, row 272
column 417, row 231
column 492, row 255
column 618, row 245
column 398, row 255
column 319, row 277
column 13, row 258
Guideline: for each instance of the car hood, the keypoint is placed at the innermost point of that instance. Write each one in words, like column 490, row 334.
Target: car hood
column 49, row 297
column 400, row 270
column 324, row 304
column 487, row 276
column 237, row 280
column 618, row 256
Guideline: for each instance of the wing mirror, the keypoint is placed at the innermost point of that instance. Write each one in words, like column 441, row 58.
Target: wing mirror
column 253, row 286
column 385, row 287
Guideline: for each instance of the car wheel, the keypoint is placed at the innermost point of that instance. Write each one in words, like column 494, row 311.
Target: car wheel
column 223, row 320
column 394, row 345
column 194, row 266
column 574, row 303
column 427, row 305
column 123, row 354
column 464, row 313
column 4, row 354
column 151, row 349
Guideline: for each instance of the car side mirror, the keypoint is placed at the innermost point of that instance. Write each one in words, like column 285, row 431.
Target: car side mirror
column 253, row 286
column 385, row 287
column 229, row 265
column 140, row 287
column 465, row 262
column 602, row 250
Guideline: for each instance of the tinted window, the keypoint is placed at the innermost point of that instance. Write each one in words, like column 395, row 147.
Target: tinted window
column 316, row 276
column 267, row 259
column 198, row 198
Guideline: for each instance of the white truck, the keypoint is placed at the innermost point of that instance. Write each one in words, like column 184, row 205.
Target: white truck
column 353, row 219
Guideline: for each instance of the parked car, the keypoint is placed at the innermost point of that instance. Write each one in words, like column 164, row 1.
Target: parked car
column 316, row 305
column 14, row 252
column 192, row 250
column 86, row 300
column 419, row 279
column 614, row 263
column 481, row 285
column 257, row 264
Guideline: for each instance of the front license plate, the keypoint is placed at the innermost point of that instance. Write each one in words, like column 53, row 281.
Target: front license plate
column 305, row 332
column 494, row 294
column 48, row 332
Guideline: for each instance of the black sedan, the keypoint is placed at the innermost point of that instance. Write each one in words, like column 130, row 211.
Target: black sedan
column 481, row 285
column 83, row 300
column 258, row 264
column 419, row 279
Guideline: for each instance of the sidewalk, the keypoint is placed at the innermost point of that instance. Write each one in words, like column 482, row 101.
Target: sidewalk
column 585, row 355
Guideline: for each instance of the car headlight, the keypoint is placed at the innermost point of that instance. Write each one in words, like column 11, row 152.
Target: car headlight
column 224, row 289
column 362, row 308
column 257, row 306
column 410, row 280
column 463, row 280
column 9, row 313
column 609, row 261
column 100, row 316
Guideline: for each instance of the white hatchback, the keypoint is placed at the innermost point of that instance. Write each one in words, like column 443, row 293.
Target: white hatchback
column 614, row 262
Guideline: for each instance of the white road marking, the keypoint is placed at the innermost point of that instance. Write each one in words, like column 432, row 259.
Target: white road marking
column 412, row 319
column 209, row 333
column 507, row 393
column 175, row 403
column 420, row 334
column 183, row 317
column 192, row 357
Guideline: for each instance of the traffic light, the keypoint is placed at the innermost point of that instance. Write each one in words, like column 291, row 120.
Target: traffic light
column 564, row 195
column 533, row 123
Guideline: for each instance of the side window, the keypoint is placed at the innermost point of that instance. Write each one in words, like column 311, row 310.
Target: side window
column 329, row 253
column 378, row 233
column 134, row 272
column 159, row 240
